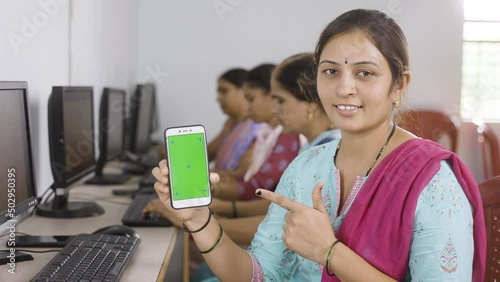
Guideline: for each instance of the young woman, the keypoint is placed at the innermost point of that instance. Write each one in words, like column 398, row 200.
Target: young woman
column 232, row 149
column 386, row 206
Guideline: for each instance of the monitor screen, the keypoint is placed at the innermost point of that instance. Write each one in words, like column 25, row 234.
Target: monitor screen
column 141, row 114
column 78, row 127
column 115, row 123
column 16, row 164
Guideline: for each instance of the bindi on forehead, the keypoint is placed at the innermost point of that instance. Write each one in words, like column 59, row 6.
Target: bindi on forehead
column 345, row 61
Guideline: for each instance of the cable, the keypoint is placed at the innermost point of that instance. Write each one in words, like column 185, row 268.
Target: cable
column 40, row 199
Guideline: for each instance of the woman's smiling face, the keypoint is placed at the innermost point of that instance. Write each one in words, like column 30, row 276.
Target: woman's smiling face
column 355, row 82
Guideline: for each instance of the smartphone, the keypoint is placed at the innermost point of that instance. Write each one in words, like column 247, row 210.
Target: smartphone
column 41, row 241
column 187, row 160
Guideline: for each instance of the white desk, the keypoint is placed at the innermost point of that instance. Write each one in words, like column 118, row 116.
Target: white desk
column 149, row 262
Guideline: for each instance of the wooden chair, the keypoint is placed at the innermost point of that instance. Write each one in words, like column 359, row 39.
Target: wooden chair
column 490, row 193
column 489, row 149
column 432, row 125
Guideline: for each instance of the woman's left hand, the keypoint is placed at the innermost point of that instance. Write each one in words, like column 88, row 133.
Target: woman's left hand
column 307, row 231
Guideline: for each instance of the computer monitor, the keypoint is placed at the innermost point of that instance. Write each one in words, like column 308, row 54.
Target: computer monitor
column 111, row 135
column 71, row 147
column 141, row 118
column 17, row 174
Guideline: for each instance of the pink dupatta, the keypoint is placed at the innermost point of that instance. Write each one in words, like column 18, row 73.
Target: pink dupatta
column 379, row 223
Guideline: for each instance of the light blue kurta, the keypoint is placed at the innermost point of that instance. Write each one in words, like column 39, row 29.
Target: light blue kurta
column 442, row 246
column 324, row 137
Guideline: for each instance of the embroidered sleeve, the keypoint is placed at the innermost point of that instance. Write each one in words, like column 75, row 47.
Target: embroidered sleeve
column 267, row 177
column 442, row 241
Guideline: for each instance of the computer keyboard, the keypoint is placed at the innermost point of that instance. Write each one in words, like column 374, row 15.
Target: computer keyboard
column 134, row 217
column 90, row 257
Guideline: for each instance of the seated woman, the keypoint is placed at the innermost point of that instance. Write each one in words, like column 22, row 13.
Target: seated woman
column 232, row 148
column 273, row 149
column 379, row 204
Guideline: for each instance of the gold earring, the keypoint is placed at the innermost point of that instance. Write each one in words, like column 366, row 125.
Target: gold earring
column 396, row 101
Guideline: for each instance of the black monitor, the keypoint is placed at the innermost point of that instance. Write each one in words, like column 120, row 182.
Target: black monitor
column 71, row 147
column 111, row 135
column 17, row 175
column 141, row 111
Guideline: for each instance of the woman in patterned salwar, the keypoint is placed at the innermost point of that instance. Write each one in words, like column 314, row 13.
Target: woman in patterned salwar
column 378, row 205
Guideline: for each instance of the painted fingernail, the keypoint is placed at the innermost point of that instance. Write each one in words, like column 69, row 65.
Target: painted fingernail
column 258, row 193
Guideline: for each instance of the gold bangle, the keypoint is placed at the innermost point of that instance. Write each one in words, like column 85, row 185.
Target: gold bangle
column 327, row 266
column 216, row 241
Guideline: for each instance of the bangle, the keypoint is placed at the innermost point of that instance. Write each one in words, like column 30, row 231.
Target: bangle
column 201, row 228
column 216, row 241
column 327, row 266
column 235, row 211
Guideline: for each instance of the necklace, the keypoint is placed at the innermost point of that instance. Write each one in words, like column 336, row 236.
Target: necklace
column 379, row 153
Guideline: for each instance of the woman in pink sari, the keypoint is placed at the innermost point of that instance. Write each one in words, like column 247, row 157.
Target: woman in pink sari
column 380, row 204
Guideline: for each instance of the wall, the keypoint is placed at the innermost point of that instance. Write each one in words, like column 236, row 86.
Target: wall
column 35, row 42
column 190, row 44
column 195, row 42
column 34, row 48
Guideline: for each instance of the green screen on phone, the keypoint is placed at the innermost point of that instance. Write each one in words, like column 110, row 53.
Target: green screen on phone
column 188, row 166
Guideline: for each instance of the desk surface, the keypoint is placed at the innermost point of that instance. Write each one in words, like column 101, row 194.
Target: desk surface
column 146, row 263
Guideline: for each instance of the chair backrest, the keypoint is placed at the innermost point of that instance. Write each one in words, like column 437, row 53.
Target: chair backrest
column 490, row 193
column 432, row 125
column 489, row 149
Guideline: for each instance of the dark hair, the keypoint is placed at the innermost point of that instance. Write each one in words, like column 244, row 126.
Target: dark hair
column 235, row 76
column 383, row 32
column 260, row 77
column 296, row 75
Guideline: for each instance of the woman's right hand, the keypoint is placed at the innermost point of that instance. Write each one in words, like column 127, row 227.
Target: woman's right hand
column 192, row 217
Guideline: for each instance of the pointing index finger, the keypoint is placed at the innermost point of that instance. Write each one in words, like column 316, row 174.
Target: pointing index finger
column 279, row 199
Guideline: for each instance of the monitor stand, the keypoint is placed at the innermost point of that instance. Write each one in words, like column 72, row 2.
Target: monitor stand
column 60, row 207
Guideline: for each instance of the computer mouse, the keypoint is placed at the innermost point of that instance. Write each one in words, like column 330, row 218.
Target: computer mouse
column 121, row 230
